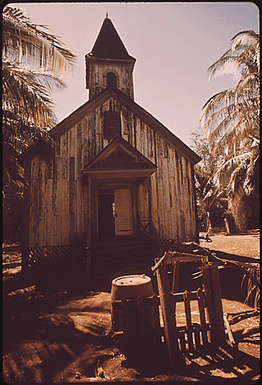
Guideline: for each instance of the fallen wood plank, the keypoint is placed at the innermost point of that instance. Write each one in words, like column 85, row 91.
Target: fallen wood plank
column 173, row 256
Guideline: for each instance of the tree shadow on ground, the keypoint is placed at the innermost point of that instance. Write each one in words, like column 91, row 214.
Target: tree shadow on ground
column 41, row 341
column 40, row 338
column 215, row 365
column 224, row 365
column 234, row 257
column 37, row 348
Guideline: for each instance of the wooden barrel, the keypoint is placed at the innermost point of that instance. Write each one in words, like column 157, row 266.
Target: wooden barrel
column 131, row 286
column 128, row 287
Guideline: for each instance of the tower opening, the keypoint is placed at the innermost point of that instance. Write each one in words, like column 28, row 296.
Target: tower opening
column 111, row 80
column 110, row 59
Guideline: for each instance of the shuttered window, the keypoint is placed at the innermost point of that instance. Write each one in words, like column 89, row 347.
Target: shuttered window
column 112, row 124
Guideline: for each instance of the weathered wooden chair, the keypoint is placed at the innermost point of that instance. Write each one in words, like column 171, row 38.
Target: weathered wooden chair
column 191, row 336
column 148, row 322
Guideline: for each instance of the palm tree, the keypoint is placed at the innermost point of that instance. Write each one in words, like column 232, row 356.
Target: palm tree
column 231, row 119
column 210, row 207
column 32, row 61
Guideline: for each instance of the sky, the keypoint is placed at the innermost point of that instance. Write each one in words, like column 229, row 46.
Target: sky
column 174, row 43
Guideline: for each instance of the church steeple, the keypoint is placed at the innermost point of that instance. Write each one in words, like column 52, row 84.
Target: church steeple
column 109, row 64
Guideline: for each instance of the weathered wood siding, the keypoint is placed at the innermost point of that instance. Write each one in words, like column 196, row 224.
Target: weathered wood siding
column 97, row 72
column 59, row 200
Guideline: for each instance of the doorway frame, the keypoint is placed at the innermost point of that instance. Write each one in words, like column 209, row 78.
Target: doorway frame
column 98, row 224
column 112, row 185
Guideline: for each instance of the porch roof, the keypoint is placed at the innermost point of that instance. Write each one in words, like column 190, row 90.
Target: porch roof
column 119, row 160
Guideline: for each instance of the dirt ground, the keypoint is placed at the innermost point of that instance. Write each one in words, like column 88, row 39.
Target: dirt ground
column 61, row 332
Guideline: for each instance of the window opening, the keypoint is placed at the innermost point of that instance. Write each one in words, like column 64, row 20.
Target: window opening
column 111, row 79
column 112, row 124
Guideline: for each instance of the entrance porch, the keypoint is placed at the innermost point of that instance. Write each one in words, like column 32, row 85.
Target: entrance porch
column 116, row 256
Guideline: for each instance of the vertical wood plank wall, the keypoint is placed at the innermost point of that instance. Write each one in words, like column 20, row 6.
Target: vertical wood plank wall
column 58, row 200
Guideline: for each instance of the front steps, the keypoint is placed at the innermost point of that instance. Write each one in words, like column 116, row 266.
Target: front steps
column 116, row 256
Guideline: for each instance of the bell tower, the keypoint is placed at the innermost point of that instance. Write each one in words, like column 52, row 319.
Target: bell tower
column 109, row 64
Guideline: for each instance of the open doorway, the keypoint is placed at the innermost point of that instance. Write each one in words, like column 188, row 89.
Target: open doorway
column 115, row 212
column 106, row 222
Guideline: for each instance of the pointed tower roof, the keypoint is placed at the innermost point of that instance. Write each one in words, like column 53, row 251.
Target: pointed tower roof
column 108, row 44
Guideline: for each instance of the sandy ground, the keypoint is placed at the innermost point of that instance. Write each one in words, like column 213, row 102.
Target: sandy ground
column 60, row 335
column 245, row 245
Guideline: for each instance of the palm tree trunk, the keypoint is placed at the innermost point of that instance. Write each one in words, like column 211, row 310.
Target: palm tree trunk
column 226, row 220
column 209, row 224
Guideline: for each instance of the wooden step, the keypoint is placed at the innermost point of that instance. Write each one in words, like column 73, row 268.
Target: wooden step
column 123, row 254
column 120, row 256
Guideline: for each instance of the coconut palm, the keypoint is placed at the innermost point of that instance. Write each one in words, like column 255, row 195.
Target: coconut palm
column 32, row 61
column 232, row 115
column 231, row 119
column 209, row 207
column 205, row 197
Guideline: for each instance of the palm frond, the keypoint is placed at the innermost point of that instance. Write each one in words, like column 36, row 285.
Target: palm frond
column 227, row 64
column 225, row 176
column 31, row 44
column 228, row 119
column 240, row 106
column 33, row 60
column 23, row 95
column 242, row 282
column 231, row 118
column 224, row 100
column 13, row 172
column 251, row 274
column 246, row 40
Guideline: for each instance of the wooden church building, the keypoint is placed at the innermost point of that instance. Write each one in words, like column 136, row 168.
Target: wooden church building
column 115, row 174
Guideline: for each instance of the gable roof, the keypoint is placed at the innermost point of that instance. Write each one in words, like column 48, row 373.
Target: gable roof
column 108, row 44
column 139, row 111
column 119, row 159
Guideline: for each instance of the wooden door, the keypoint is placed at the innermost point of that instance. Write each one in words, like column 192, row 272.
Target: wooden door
column 123, row 212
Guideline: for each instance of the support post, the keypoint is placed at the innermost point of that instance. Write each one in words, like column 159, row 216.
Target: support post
column 214, row 301
column 217, row 304
column 167, row 307
column 175, row 282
